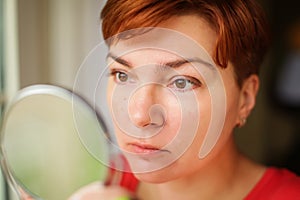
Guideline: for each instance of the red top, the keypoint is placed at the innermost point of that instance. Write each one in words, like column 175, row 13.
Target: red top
column 125, row 178
column 276, row 184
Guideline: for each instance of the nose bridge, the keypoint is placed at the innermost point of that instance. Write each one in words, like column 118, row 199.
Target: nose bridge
column 145, row 93
column 140, row 103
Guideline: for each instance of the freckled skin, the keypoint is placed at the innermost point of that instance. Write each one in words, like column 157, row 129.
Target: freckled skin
column 142, row 99
column 224, row 173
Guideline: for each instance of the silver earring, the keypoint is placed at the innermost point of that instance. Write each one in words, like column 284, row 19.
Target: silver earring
column 242, row 122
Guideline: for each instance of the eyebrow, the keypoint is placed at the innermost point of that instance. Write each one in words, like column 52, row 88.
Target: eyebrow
column 119, row 60
column 173, row 64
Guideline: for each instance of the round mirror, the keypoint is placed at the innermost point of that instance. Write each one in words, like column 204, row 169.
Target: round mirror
column 43, row 154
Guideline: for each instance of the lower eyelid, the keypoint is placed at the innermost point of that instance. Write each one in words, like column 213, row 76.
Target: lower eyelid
column 191, row 80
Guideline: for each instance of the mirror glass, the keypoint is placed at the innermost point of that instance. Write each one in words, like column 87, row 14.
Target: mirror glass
column 43, row 153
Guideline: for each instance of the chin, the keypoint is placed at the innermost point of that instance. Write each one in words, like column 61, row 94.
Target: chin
column 155, row 177
column 163, row 175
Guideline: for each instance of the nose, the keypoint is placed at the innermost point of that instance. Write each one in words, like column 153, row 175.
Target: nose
column 145, row 108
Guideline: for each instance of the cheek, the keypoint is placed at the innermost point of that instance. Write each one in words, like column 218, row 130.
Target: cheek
column 189, row 118
column 202, row 116
column 117, row 131
column 173, row 118
column 120, row 136
column 232, row 99
column 230, row 121
column 232, row 109
column 109, row 93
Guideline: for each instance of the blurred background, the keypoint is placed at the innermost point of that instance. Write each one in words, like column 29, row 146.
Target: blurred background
column 45, row 41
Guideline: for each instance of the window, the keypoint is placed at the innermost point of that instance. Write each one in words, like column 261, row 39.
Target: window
column 8, row 66
column 2, row 185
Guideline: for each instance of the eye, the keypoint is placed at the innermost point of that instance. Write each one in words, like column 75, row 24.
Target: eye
column 121, row 77
column 181, row 83
column 184, row 83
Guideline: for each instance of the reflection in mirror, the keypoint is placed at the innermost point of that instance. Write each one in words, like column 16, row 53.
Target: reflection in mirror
column 42, row 152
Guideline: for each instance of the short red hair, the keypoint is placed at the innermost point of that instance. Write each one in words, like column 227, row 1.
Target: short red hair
column 241, row 26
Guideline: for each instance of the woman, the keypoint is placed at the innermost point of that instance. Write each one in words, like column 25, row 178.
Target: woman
column 175, row 109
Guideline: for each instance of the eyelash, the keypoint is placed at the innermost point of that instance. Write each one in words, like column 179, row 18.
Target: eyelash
column 114, row 74
column 194, row 83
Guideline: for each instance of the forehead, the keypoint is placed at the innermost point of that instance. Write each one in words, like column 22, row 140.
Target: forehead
column 167, row 42
column 196, row 28
column 177, row 31
column 147, row 56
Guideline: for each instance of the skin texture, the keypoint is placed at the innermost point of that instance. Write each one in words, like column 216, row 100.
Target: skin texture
column 224, row 173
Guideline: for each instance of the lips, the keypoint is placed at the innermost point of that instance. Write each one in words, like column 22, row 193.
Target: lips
column 142, row 148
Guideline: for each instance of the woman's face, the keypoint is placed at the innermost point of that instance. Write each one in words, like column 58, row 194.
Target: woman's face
column 171, row 105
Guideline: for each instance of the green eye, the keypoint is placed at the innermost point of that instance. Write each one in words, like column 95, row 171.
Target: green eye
column 121, row 77
column 180, row 83
column 185, row 83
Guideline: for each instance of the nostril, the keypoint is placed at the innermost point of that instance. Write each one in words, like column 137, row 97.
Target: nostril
column 157, row 115
column 143, row 109
column 154, row 116
column 140, row 119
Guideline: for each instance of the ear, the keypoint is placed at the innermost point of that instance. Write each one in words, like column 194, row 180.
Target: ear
column 247, row 98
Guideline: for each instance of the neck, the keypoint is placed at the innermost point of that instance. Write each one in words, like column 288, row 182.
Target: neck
column 229, row 174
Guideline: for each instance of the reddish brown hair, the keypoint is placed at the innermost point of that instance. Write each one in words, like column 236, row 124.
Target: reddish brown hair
column 240, row 24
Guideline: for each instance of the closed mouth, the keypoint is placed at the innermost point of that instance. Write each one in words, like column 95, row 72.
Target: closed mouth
column 140, row 148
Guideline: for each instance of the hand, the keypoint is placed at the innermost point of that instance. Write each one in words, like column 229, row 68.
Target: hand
column 97, row 191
